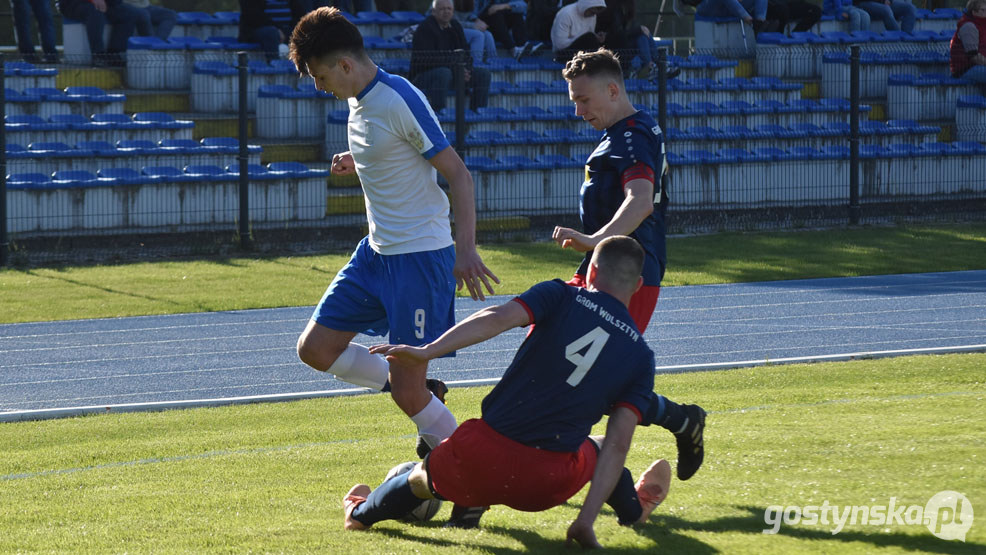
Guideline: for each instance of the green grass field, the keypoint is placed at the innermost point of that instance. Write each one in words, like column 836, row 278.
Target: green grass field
column 270, row 477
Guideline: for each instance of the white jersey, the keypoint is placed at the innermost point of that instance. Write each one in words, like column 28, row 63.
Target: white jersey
column 393, row 132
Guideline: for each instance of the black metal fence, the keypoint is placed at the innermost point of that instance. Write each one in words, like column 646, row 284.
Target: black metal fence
column 205, row 151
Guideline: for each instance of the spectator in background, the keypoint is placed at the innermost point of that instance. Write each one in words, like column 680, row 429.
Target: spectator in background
column 626, row 37
column 889, row 11
column 843, row 10
column 506, row 21
column 967, row 57
column 46, row 28
column 95, row 15
column 782, row 12
column 481, row 43
column 257, row 26
column 153, row 20
column 574, row 29
column 540, row 16
column 752, row 12
column 438, row 42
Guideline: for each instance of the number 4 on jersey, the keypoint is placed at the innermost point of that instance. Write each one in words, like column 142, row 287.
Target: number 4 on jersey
column 595, row 339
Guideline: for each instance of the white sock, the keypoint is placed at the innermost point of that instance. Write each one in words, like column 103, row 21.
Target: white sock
column 357, row 366
column 435, row 422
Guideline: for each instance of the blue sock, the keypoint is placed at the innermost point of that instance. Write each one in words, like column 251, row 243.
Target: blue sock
column 391, row 501
column 624, row 500
column 665, row 413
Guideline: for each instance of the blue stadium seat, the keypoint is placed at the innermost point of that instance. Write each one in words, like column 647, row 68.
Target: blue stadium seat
column 495, row 114
column 732, row 155
column 834, row 152
column 768, row 153
column 125, row 176
column 230, row 145
column 180, row 146
column 484, row 138
column 141, row 146
column 51, row 147
column 31, row 122
column 525, row 137
column 254, row 171
column 836, row 128
column 810, row 129
column 74, row 178
column 480, row 163
column 167, row 174
column 31, row 180
column 587, row 135
column 407, row 17
column 560, row 135
column 160, row 120
column 517, row 163
column 70, row 121
column 736, row 132
column 563, row 112
column 532, row 113
column 558, row 161
column 697, row 156
column 102, row 148
column 295, row 169
column 205, row 172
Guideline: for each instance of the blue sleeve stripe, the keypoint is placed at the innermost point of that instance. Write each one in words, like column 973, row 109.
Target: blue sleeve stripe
column 420, row 112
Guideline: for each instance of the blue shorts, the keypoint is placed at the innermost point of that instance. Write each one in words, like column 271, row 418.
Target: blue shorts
column 411, row 296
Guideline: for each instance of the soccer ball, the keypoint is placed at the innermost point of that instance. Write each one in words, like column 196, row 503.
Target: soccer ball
column 428, row 507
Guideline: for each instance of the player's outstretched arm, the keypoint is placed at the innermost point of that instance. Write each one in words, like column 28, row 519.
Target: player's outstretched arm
column 469, row 269
column 480, row 326
column 609, row 467
column 637, row 205
column 568, row 238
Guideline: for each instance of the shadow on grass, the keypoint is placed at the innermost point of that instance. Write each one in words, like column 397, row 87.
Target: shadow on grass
column 668, row 535
column 199, row 306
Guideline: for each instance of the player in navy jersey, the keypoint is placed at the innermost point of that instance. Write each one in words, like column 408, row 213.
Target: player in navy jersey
column 622, row 195
column 401, row 279
column 531, row 449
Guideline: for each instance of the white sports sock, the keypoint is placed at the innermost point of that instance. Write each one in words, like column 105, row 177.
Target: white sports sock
column 357, row 366
column 435, row 420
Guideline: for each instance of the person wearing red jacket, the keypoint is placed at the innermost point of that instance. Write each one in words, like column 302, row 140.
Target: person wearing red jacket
column 968, row 49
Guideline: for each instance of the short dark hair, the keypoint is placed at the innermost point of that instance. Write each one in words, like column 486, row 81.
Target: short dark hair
column 321, row 32
column 600, row 62
column 620, row 259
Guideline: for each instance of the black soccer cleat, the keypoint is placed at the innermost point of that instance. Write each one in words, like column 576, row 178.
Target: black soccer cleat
column 437, row 387
column 425, row 444
column 691, row 450
column 465, row 517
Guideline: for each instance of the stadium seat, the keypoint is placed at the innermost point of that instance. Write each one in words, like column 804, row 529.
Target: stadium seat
column 125, row 176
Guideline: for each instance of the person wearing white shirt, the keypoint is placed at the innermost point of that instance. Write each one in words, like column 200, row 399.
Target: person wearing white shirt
column 402, row 277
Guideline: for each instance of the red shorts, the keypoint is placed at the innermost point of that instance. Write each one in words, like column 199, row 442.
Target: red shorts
column 478, row 467
column 642, row 302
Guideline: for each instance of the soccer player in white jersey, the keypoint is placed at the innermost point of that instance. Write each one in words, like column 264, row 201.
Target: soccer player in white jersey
column 402, row 277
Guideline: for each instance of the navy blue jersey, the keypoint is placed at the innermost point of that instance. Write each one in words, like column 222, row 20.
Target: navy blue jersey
column 584, row 356
column 629, row 149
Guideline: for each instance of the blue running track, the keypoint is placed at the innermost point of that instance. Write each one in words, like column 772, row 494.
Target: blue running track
column 52, row 369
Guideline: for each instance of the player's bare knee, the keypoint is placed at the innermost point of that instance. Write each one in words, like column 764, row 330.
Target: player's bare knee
column 319, row 356
column 418, row 480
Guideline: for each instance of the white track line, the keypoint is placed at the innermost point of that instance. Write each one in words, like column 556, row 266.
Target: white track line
column 43, row 414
